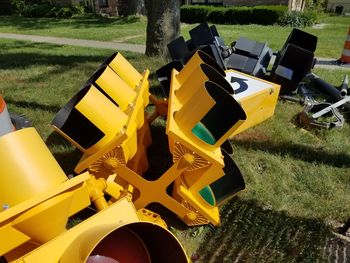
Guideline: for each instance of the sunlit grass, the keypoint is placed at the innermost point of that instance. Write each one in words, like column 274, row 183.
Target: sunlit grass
column 296, row 180
column 331, row 37
column 96, row 28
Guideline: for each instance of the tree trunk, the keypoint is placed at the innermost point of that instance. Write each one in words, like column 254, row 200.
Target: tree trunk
column 296, row 5
column 163, row 25
column 136, row 7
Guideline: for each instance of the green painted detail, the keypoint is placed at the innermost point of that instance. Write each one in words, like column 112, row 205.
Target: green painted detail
column 203, row 133
column 208, row 195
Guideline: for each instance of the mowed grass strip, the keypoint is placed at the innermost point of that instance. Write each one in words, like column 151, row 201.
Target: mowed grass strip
column 331, row 36
column 131, row 28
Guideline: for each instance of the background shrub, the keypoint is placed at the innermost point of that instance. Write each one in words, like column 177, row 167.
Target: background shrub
column 195, row 14
column 238, row 15
column 298, row 19
column 216, row 15
column 43, row 8
column 267, row 15
column 263, row 15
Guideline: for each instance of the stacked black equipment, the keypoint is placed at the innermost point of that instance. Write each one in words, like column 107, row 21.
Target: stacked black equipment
column 294, row 61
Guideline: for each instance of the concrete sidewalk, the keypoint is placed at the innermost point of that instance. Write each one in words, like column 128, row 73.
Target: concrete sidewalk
column 327, row 63
column 77, row 42
column 330, row 63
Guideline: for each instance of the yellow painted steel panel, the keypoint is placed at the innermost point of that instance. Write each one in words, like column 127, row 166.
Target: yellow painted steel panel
column 116, row 88
column 258, row 100
column 125, row 70
column 27, row 165
column 103, row 113
column 77, row 244
column 10, row 238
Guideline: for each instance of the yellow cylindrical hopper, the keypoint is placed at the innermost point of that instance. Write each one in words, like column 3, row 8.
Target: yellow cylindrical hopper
column 27, row 167
column 138, row 242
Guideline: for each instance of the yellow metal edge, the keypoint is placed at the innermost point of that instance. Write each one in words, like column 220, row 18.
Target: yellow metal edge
column 210, row 213
column 172, row 130
column 11, row 238
column 86, row 160
column 250, row 76
column 22, row 207
column 138, row 101
column 253, row 120
column 120, row 213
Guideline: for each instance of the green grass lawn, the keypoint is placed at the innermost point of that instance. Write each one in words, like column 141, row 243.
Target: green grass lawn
column 297, row 181
column 94, row 28
column 133, row 30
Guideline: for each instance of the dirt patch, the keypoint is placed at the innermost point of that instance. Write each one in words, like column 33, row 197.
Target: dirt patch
column 319, row 26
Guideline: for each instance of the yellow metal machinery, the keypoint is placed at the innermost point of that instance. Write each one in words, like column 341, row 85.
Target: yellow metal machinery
column 110, row 111
column 203, row 113
column 257, row 97
column 37, row 200
column 114, row 136
column 106, row 121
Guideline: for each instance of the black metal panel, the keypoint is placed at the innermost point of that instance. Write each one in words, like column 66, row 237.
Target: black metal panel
column 242, row 63
column 250, row 57
column 201, row 35
column 297, row 62
column 71, row 122
column 164, row 74
column 178, row 49
column 214, row 76
column 231, row 183
column 224, row 114
column 214, row 52
column 301, row 39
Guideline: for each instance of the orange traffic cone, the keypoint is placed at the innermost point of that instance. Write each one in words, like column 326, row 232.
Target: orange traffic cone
column 5, row 120
column 345, row 57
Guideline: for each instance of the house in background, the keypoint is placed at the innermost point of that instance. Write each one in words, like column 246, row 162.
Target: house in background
column 338, row 6
column 238, row 2
column 295, row 5
column 120, row 7
column 109, row 7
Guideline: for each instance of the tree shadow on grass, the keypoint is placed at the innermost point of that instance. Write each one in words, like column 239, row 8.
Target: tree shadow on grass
column 33, row 105
column 12, row 44
column 21, row 60
column 58, row 65
column 250, row 233
column 298, row 151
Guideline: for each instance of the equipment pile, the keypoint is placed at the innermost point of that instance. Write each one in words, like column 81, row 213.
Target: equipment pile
column 291, row 68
